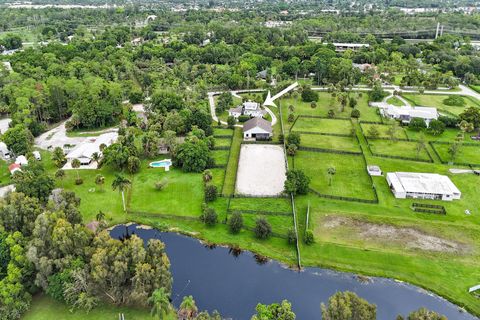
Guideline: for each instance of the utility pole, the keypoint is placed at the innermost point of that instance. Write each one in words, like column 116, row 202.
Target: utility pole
column 438, row 27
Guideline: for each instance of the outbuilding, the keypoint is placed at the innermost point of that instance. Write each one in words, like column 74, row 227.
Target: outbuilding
column 14, row 167
column 257, row 129
column 422, row 186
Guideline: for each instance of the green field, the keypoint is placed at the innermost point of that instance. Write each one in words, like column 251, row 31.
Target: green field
column 395, row 101
column 220, row 156
column 317, row 125
column 44, row 308
column 405, row 149
column 330, row 142
column 350, row 180
column 467, row 153
column 383, row 130
column 434, row 100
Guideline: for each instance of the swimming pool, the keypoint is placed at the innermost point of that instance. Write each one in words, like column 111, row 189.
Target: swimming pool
column 166, row 163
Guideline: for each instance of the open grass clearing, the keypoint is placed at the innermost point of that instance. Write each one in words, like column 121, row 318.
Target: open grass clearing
column 466, row 154
column 261, row 204
column 383, row 130
column 182, row 195
column 379, row 234
column 317, row 125
column 395, row 101
column 436, row 100
column 330, row 142
column 45, row 308
column 219, row 131
column 407, row 149
column 350, row 180
column 324, row 104
column 223, row 142
column 280, row 224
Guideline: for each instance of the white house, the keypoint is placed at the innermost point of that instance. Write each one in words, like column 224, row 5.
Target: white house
column 406, row 113
column 7, row 66
column 257, row 129
column 4, row 152
column 85, row 152
column 422, row 186
column 21, row 160
column 248, row 108
column 374, row 171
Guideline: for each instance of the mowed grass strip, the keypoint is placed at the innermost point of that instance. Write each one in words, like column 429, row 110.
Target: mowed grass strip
column 318, row 125
column 405, row 149
column 383, row 130
column 330, row 142
column 223, row 142
column 280, row 224
column 350, row 180
column 261, row 204
column 232, row 165
column 222, row 131
column 220, row 156
column 466, row 153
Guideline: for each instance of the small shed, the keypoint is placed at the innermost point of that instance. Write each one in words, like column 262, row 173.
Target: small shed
column 374, row 171
column 37, row 155
column 4, row 152
column 21, row 160
column 14, row 167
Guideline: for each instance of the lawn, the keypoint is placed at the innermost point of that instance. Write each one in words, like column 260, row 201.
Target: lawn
column 223, row 142
column 182, row 195
column 45, row 308
column 467, row 153
column 221, row 157
column 476, row 88
column 395, row 101
column 219, row 131
column 405, row 149
column 330, row 142
column 436, row 101
column 350, row 180
column 232, row 166
column 324, row 104
column 383, row 130
column 316, row 125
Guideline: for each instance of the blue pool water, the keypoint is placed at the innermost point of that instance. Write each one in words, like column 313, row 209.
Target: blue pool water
column 161, row 164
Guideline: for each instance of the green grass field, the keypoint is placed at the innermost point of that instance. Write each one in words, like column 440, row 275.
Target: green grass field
column 383, row 130
column 45, row 308
column 436, row 101
column 330, row 142
column 350, row 180
column 405, row 149
column 220, row 156
column 316, row 125
column 395, row 101
column 467, row 154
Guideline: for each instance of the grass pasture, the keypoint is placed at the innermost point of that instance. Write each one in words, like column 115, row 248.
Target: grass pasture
column 383, row 130
column 221, row 157
column 467, row 154
column 322, row 125
column 330, row 142
column 436, row 100
column 350, row 180
column 405, row 149
column 223, row 142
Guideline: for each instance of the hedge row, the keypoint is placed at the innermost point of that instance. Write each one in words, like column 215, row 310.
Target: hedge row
column 325, row 150
column 260, row 212
column 223, row 136
column 261, row 142
column 443, row 212
column 222, row 148
column 325, row 134
column 350, row 199
column 426, row 205
column 322, row 117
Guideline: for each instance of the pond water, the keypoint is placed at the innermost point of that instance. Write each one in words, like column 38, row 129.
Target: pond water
column 233, row 282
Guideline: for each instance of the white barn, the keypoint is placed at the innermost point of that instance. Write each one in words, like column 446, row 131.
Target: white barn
column 406, row 113
column 84, row 152
column 422, row 186
column 248, row 108
column 257, row 129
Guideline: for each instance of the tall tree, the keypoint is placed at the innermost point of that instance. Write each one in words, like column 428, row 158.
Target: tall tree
column 121, row 183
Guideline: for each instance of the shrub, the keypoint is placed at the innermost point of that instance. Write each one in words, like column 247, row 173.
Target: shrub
column 291, row 236
column 160, row 185
column 243, row 118
column 209, row 216
column 331, row 113
column 417, row 124
column 293, row 138
column 309, row 238
column 313, row 105
column 262, row 229
column 291, row 117
column 436, row 127
column 292, row 149
column 308, row 95
column 235, row 223
column 373, row 132
column 78, row 181
column 454, row 100
column 449, row 122
column 355, row 113
column 210, row 193
column 297, row 182
column 231, row 122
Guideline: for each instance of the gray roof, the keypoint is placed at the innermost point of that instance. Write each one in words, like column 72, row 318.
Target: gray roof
column 238, row 109
column 257, row 122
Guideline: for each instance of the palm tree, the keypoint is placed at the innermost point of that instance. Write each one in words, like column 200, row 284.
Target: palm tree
column 188, row 309
column 160, row 304
column 76, row 165
column 100, row 216
column 96, row 157
column 331, row 172
column 100, row 181
column 121, row 183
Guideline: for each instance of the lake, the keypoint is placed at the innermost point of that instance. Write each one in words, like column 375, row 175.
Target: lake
column 233, row 282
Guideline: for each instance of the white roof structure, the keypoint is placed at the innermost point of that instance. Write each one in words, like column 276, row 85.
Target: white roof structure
column 251, row 105
column 427, row 113
column 422, row 183
column 87, row 149
column 7, row 66
column 3, row 148
column 21, row 160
